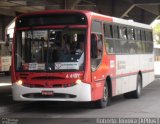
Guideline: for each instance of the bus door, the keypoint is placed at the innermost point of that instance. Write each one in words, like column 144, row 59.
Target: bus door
column 96, row 64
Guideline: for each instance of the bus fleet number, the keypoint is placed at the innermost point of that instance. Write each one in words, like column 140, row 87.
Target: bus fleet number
column 72, row 75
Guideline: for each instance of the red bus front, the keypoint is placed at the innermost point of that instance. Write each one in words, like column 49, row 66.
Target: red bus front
column 50, row 57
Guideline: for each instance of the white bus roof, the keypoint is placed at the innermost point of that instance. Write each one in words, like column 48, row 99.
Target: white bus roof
column 131, row 23
column 125, row 21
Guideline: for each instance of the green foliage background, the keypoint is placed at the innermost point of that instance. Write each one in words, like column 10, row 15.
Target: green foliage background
column 156, row 32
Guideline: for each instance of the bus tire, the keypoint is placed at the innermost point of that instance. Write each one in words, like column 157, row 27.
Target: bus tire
column 137, row 92
column 105, row 101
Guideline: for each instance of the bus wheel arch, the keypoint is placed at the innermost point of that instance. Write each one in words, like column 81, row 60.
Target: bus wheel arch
column 139, row 84
column 107, row 94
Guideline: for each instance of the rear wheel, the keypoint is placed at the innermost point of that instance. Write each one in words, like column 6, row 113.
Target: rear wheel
column 105, row 100
column 136, row 93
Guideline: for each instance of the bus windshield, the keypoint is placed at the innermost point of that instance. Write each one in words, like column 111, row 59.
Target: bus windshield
column 50, row 49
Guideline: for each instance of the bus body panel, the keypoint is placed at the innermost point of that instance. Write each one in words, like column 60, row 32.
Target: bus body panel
column 127, row 71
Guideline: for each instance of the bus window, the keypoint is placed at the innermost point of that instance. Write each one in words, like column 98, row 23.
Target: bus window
column 138, row 34
column 124, row 45
column 96, row 44
column 115, row 31
column 131, row 40
column 131, row 34
column 47, row 50
column 123, row 32
column 138, row 41
column 94, row 40
column 117, row 48
column 143, row 40
column 96, row 26
column 108, row 31
column 148, row 43
column 108, row 38
column 96, row 50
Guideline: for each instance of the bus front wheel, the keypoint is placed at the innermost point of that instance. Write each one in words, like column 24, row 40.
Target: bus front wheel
column 105, row 101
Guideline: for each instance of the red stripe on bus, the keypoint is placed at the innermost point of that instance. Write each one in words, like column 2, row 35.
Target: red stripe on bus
column 132, row 73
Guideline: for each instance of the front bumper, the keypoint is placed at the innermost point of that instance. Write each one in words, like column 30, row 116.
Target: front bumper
column 81, row 92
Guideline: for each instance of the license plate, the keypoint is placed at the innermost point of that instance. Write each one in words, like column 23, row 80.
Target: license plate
column 47, row 93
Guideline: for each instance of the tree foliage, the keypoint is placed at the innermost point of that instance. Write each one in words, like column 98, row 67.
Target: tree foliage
column 156, row 32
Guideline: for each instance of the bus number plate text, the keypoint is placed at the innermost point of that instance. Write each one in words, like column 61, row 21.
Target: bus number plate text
column 47, row 93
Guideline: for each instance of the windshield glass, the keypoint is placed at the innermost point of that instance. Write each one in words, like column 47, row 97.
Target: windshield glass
column 50, row 49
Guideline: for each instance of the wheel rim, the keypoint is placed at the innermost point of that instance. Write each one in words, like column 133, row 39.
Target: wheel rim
column 105, row 93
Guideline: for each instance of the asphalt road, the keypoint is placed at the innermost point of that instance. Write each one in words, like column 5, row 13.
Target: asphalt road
column 148, row 106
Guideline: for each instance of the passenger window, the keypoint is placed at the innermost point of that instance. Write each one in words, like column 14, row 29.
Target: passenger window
column 123, row 42
column 108, row 38
column 143, row 40
column 131, row 34
column 131, row 40
column 108, row 31
column 115, row 31
column 123, row 32
column 148, row 42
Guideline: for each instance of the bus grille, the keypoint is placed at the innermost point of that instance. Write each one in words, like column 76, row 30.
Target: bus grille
column 23, row 76
column 56, row 95
column 49, row 86
column 47, row 77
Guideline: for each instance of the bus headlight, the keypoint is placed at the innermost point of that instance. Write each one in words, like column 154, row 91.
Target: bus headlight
column 19, row 82
column 78, row 81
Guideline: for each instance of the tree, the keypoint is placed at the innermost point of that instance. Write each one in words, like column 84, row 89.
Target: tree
column 156, row 32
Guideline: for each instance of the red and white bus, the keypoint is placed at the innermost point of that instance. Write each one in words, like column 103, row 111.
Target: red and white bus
column 80, row 56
